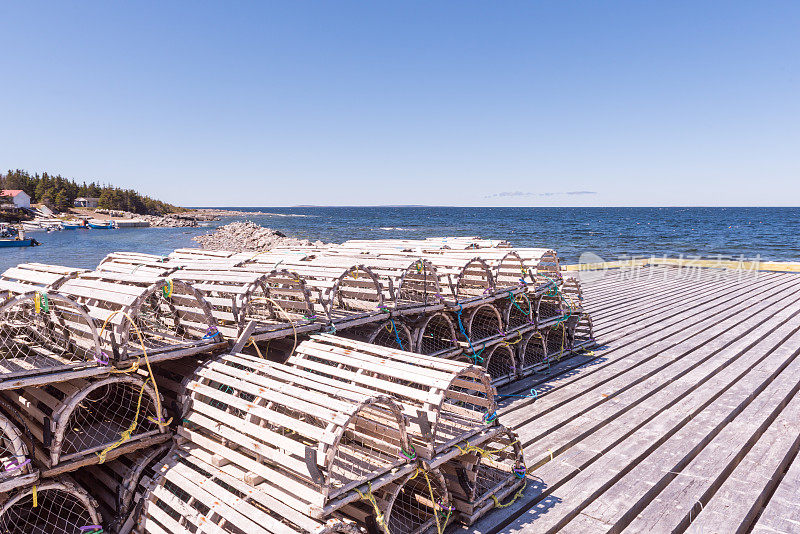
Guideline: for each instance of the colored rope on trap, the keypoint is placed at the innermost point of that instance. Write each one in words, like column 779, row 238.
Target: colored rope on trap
column 439, row 507
column 510, row 343
column 517, row 495
column 475, row 356
column 286, row 315
column 513, row 299
column 126, row 435
column 168, row 288
column 393, row 328
column 41, row 303
column 484, row 453
column 370, row 498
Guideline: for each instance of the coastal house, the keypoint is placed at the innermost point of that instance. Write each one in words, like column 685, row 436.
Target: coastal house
column 84, row 202
column 17, row 197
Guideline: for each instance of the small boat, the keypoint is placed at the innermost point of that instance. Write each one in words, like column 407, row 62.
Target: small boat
column 73, row 225
column 101, row 225
column 27, row 242
column 13, row 237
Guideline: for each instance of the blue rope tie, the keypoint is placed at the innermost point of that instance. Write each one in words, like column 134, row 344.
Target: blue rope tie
column 396, row 335
column 475, row 357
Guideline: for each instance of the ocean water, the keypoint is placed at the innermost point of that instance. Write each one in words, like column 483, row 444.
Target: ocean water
column 611, row 233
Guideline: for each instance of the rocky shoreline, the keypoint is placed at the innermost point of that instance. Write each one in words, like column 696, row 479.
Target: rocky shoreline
column 248, row 237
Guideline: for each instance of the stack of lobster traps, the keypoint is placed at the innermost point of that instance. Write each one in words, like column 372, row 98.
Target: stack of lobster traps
column 337, row 436
column 301, row 389
column 79, row 407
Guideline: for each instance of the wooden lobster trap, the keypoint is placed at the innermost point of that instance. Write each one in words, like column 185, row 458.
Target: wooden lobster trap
column 443, row 399
column 581, row 332
column 518, row 311
column 84, row 422
column 57, row 506
column 310, row 440
column 117, row 486
column 485, row 473
column 410, row 285
column 28, row 277
column 47, row 337
column 392, row 333
column 16, row 469
column 435, row 335
column 137, row 263
column 348, row 297
column 550, row 307
column 277, row 303
column 558, row 341
column 531, row 353
column 499, row 361
column 163, row 317
column 418, row 503
column 480, row 327
column 197, row 491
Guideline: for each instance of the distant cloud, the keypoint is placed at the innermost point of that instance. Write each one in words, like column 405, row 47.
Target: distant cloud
column 508, row 194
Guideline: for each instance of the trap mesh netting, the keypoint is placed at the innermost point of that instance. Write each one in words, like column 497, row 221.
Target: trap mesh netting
column 393, row 334
column 533, row 351
column 280, row 298
column 357, row 290
column 483, row 322
column 499, row 361
column 485, row 475
column 419, row 284
column 54, row 507
column 416, row 504
column 435, row 335
column 101, row 414
column 517, row 311
column 40, row 331
column 13, row 452
column 170, row 315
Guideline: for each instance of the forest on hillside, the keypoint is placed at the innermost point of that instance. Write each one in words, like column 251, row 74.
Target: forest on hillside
column 59, row 193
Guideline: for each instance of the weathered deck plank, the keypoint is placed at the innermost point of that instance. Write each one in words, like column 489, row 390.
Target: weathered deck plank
column 697, row 381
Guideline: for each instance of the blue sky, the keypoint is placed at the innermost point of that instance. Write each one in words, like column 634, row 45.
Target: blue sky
column 445, row 103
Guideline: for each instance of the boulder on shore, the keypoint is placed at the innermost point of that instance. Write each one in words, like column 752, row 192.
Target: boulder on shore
column 248, row 236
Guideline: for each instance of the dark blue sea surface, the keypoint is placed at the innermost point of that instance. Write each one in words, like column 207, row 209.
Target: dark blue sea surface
column 769, row 233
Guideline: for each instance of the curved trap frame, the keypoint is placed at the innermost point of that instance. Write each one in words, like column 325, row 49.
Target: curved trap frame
column 62, row 507
column 445, row 400
column 573, row 294
column 46, row 337
column 280, row 305
column 482, row 325
column 16, row 468
column 532, row 353
column 557, row 339
column 81, row 422
column 435, row 335
column 550, row 308
column 474, row 281
column 137, row 263
column 500, row 363
column 118, row 485
column 417, row 504
column 356, row 297
column 517, row 311
column 393, row 334
column 511, row 272
column 173, row 317
column 485, row 474
column 27, row 277
column 193, row 492
column 582, row 332
column 418, row 289
column 310, row 439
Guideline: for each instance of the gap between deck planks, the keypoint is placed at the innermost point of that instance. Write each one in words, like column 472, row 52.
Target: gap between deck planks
column 661, row 372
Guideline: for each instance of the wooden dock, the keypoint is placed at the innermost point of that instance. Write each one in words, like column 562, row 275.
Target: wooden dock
column 685, row 419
